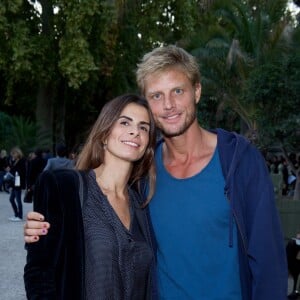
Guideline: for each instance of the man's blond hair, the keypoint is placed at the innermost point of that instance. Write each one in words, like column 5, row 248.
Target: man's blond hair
column 167, row 57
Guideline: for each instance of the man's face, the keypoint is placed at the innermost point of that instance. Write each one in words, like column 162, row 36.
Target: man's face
column 173, row 100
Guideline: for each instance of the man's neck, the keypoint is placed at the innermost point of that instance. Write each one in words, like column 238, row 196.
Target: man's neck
column 187, row 154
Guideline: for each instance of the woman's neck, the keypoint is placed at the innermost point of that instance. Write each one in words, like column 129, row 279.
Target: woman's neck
column 111, row 180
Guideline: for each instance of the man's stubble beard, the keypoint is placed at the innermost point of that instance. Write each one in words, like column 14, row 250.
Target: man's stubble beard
column 181, row 130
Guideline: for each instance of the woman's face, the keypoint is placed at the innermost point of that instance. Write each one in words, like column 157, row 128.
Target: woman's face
column 14, row 155
column 129, row 136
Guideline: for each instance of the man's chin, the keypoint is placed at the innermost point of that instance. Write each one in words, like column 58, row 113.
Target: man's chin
column 171, row 133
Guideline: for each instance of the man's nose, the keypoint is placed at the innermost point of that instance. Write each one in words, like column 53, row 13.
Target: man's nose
column 169, row 102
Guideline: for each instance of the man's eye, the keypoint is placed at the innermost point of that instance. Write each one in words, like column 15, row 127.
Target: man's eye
column 156, row 96
column 179, row 91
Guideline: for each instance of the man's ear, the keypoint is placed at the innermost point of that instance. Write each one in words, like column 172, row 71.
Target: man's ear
column 197, row 92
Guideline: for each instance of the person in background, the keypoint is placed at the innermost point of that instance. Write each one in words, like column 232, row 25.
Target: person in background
column 99, row 245
column 17, row 169
column 293, row 259
column 4, row 163
column 74, row 153
column 46, row 154
column 60, row 161
column 213, row 212
column 35, row 167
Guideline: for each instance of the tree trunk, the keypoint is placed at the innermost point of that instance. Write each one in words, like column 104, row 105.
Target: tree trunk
column 44, row 114
column 45, row 94
column 60, row 115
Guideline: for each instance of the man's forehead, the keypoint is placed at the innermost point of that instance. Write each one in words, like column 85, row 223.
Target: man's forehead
column 165, row 81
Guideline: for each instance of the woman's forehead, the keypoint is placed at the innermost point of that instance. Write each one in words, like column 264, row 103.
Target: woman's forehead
column 135, row 111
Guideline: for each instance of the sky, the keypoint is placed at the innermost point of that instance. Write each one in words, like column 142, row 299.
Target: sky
column 293, row 8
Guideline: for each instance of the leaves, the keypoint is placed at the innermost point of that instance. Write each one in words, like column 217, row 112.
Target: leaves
column 21, row 132
column 82, row 53
column 77, row 61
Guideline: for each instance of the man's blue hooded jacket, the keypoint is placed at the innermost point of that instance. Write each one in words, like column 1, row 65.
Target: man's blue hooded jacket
column 250, row 192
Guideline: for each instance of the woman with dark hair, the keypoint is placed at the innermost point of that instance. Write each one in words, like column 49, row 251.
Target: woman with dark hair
column 99, row 245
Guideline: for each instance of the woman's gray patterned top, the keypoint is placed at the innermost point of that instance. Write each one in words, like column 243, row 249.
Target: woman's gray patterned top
column 117, row 260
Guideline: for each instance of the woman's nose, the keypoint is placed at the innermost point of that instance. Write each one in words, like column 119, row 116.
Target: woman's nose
column 134, row 131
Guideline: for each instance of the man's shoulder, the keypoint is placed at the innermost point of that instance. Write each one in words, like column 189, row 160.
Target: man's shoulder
column 231, row 138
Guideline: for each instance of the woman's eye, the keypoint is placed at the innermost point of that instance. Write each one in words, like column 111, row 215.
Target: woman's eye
column 145, row 128
column 125, row 123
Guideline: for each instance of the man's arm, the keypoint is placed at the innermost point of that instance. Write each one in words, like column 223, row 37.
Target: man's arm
column 266, row 248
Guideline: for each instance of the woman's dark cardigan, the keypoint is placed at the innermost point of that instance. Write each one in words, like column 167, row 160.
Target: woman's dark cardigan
column 55, row 264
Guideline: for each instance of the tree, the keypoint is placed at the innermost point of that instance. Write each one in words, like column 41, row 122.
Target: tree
column 240, row 36
column 79, row 54
column 275, row 90
column 245, row 54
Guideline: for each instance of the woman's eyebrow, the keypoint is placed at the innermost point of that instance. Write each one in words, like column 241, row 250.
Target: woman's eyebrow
column 130, row 119
column 145, row 123
column 125, row 117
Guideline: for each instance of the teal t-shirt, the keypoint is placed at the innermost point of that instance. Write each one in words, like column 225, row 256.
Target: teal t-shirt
column 191, row 224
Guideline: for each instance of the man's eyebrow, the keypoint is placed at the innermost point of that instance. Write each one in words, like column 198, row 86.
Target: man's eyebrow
column 130, row 119
column 153, row 92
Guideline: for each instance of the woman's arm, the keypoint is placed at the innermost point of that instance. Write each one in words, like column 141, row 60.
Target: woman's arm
column 41, row 269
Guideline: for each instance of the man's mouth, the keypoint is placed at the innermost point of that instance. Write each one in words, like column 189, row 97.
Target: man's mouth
column 172, row 117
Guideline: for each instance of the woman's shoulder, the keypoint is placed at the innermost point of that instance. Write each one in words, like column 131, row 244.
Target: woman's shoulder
column 64, row 182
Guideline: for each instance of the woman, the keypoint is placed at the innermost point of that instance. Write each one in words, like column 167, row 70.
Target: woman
column 17, row 169
column 99, row 244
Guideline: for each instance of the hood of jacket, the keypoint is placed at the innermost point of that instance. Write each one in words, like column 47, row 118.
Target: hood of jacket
column 231, row 146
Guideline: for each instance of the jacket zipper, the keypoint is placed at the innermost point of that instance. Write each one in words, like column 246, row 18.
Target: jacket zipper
column 232, row 212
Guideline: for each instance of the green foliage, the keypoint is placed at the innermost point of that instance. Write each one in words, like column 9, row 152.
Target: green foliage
column 76, row 55
column 274, row 88
column 168, row 20
column 21, row 132
column 17, row 46
column 239, row 38
column 5, row 130
column 77, row 61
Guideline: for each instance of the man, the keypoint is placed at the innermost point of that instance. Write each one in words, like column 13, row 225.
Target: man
column 60, row 161
column 213, row 212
